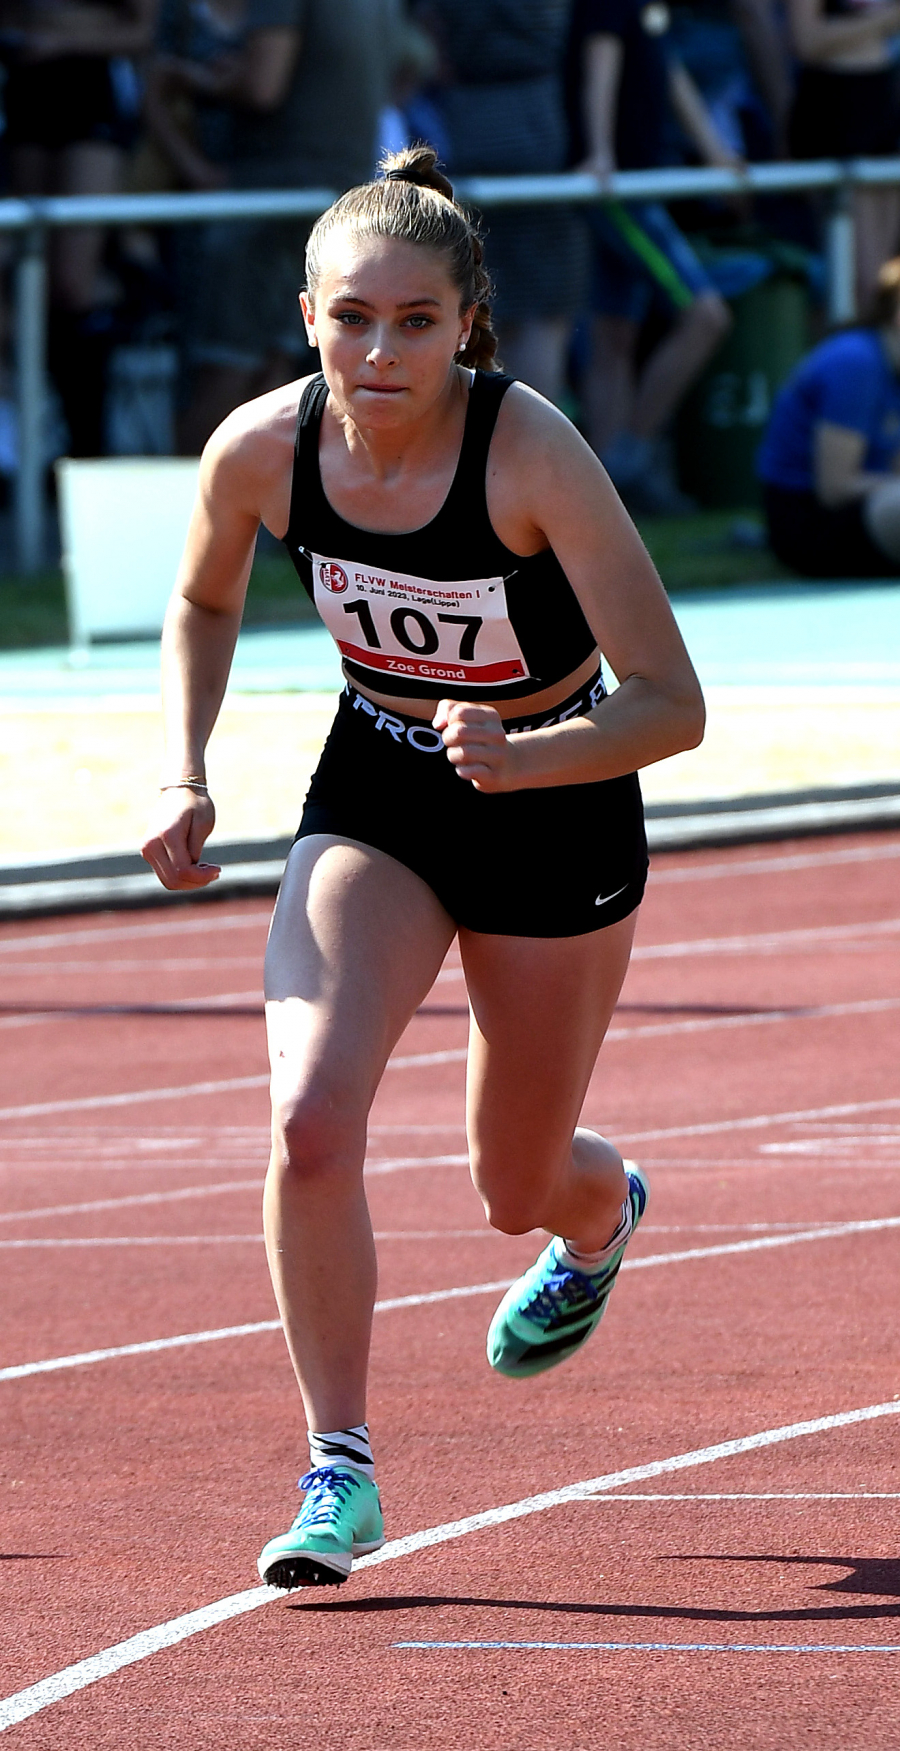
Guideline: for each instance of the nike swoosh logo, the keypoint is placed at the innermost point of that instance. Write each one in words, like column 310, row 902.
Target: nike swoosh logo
column 604, row 899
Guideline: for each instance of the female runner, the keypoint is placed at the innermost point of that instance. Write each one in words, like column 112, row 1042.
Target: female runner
column 466, row 551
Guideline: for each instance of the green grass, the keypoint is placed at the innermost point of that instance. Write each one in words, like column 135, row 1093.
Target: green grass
column 692, row 553
column 705, row 552
column 275, row 595
column 32, row 611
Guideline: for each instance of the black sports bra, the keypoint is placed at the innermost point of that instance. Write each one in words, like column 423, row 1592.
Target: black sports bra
column 443, row 611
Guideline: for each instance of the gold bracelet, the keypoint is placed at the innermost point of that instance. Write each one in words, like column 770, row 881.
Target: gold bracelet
column 187, row 784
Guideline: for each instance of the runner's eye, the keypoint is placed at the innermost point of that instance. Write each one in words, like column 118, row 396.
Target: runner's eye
column 419, row 321
column 349, row 318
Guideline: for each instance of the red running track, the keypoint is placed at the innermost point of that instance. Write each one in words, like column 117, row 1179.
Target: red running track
column 702, row 1589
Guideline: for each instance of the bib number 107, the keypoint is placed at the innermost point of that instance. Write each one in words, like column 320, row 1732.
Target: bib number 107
column 416, row 632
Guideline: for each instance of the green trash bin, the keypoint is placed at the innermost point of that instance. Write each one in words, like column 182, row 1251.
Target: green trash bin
column 722, row 421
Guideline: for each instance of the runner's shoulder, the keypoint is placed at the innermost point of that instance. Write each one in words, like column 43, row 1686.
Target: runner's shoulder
column 253, row 445
column 538, row 457
column 532, row 434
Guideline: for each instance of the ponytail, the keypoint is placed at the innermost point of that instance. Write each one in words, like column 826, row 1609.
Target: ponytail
column 413, row 201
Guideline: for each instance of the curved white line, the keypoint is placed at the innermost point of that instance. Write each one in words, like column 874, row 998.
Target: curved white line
column 53, row 1364
column 24, row 1703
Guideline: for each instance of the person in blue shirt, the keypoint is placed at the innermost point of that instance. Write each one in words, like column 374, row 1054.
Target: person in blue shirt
column 830, row 460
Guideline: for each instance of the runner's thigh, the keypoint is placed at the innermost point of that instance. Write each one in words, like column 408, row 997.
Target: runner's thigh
column 540, row 1007
column 356, row 943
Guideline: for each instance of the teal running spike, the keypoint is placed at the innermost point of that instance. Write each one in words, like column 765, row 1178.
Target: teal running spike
column 549, row 1313
column 340, row 1519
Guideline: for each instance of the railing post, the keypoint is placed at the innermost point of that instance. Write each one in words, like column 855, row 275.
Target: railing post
column 30, row 330
column 840, row 257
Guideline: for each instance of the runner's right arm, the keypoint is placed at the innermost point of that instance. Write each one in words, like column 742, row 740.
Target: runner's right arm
column 198, row 641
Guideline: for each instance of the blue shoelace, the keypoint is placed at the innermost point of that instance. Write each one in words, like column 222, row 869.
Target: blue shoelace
column 330, row 1478
column 324, row 1482
column 563, row 1288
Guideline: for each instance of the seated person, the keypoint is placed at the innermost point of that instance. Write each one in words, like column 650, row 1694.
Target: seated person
column 830, row 460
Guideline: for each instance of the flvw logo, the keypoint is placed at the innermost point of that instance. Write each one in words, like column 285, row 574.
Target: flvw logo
column 333, row 577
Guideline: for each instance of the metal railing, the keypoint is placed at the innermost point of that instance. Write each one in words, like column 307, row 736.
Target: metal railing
column 33, row 219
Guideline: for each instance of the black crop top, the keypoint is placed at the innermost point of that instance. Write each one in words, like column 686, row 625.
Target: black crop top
column 445, row 610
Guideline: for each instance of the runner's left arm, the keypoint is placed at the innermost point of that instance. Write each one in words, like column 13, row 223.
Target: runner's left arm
column 547, row 486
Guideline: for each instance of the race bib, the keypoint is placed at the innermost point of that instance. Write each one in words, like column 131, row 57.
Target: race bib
column 394, row 624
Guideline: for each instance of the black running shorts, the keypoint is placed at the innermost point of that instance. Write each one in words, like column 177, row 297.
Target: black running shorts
column 559, row 861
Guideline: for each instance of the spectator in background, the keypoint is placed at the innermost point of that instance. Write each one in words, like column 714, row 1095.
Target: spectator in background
column 71, row 100
column 830, row 461
column 764, row 37
column 500, row 110
column 305, row 88
column 846, row 107
column 738, row 56
column 621, row 82
column 189, row 127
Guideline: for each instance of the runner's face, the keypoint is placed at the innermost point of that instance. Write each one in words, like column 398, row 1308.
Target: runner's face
column 387, row 324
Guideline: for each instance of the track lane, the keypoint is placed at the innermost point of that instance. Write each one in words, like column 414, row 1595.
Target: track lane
column 754, row 1329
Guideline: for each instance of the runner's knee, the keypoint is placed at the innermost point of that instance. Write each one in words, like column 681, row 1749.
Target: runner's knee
column 316, row 1131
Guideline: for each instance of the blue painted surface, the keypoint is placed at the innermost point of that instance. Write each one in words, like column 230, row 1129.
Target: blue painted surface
column 794, row 635
column 799, row 635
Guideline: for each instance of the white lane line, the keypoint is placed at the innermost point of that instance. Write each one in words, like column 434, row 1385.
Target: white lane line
column 184, row 964
column 30, row 1701
column 225, row 1239
column 24, row 1703
column 57, row 1163
column 128, row 1240
column 758, row 942
column 235, row 1185
column 761, row 1496
column 397, row 1164
column 187, row 1090
column 755, row 866
column 766, row 942
column 190, row 1134
column 454, row 1127
column 763, row 1244
column 84, row 1358
column 758, row 1122
column 670, row 1647
column 100, row 1007
column 726, row 1227
column 819, row 1231
column 87, row 1103
column 436, row 1234
column 111, row 1161
column 457, row 1055
column 827, row 1232
column 181, row 926
column 756, row 1018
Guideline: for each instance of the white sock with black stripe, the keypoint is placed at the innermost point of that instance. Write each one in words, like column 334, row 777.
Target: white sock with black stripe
column 578, row 1258
column 345, row 1447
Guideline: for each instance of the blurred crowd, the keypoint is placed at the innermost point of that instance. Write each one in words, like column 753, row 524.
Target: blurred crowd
column 614, row 311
